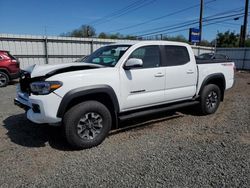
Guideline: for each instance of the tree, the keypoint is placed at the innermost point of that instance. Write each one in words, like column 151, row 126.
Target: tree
column 178, row 38
column 83, row 31
column 247, row 42
column 116, row 36
column 130, row 37
column 205, row 43
column 103, row 35
column 227, row 39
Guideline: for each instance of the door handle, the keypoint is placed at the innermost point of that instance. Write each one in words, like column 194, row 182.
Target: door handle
column 159, row 74
column 190, row 72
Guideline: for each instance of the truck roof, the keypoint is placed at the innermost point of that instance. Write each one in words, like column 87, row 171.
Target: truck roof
column 151, row 42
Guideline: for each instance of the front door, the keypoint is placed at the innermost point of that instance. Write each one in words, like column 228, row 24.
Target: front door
column 143, row 86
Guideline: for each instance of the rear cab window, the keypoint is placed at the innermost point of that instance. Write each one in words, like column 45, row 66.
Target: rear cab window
column 175, row 55
column 220, row 56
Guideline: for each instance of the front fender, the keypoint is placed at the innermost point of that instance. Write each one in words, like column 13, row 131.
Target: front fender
column 84, row 91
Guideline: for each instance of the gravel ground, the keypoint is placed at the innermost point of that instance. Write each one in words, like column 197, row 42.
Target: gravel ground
column 177, row 149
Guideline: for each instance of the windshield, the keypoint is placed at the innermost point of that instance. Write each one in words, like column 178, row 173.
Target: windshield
column 107, row 55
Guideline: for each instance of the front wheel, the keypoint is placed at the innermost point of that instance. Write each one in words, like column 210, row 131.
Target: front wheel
column 210, row 99
column 87, row 124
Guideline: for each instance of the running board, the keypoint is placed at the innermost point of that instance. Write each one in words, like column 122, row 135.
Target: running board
column 155, row 110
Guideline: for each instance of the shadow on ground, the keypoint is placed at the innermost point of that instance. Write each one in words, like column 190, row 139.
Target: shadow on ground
column 25, row 133
column 191, row 110
column 145, row 122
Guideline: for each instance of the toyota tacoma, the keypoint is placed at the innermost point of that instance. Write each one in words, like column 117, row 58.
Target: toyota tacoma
column 118, row 82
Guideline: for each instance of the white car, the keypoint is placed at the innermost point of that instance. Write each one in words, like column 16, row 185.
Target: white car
column 121, row 81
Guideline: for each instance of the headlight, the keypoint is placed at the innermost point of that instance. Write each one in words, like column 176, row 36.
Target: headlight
column 44, row 88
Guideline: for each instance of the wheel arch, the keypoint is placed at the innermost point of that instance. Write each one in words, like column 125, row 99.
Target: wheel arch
column 5, row 71
column 101, row 93
column 217, row 79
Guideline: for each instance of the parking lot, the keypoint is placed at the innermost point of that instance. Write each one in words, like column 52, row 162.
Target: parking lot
column 180, row 149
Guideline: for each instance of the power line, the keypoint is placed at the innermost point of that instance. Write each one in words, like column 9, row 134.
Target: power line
column 211, row 16
column 239, row 9
column 170, row 27
column 184, row 24
column 229, row 23
column 114, row 13
column 222, row 21
column 130, row 8
column 160, row 17
column 187, row 28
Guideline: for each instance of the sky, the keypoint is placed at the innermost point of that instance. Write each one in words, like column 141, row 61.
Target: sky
column 53, row 17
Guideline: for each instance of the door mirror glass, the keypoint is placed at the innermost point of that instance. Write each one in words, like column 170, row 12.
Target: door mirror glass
column 133, row 63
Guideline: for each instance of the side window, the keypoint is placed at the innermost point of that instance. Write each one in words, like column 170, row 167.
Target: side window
column 220, row 56
column 176, row 55
column 150, row 55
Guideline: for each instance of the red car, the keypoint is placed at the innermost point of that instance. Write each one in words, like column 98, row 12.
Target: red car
column 9, row 68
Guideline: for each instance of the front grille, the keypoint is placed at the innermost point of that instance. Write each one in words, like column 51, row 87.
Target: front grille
column 25, row 81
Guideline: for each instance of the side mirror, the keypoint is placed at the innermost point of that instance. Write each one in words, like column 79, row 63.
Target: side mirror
column 133, row 63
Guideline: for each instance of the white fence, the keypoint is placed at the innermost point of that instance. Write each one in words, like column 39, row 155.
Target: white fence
column 241, row 56
column 52, row 50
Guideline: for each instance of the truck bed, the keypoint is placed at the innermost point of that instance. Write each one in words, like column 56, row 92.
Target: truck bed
column 210, row 61
column 212, row 67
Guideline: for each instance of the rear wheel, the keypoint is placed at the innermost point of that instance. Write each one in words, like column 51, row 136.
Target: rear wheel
column 87, row 124
column 210, row 99
column 4, row 79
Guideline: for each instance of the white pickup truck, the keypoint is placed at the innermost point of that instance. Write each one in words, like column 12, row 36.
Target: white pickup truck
column 121, row 81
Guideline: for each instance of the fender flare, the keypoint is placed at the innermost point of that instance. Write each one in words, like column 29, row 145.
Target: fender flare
column 84, row 91
column 211, row 77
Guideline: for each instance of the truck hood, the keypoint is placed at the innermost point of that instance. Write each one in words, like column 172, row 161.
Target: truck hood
column 50, row 70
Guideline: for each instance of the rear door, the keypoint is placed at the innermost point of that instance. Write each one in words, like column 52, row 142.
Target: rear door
column 181, row 73
column 143, row 86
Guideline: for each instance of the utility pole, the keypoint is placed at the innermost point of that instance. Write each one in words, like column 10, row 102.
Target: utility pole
column 244, row 27
column 88, row 32
column 201, row 16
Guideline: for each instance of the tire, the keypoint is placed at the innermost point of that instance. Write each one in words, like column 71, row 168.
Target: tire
column 210, row 99
column 4, row 79
column 87, row 124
